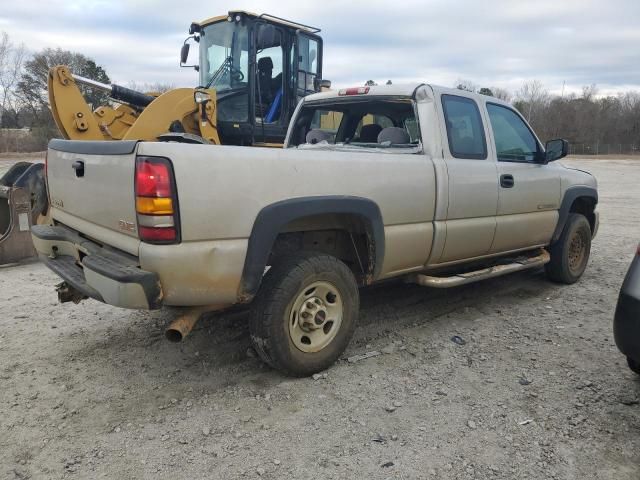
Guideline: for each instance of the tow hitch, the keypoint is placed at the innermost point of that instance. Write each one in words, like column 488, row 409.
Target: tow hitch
column 67, row 293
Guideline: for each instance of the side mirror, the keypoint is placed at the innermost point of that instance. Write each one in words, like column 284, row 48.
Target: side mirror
column 322, row 85
column 184, row 53
column 556, row 149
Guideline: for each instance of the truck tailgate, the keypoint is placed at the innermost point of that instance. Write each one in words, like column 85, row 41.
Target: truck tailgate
column 92, row 184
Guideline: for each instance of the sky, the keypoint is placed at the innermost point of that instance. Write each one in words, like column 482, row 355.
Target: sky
column 491, row 43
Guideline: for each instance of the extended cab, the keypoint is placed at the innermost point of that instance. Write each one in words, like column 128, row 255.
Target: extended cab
column 437, row 186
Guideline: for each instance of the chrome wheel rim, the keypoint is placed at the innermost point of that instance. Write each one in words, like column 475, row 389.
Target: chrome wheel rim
column 315, row 317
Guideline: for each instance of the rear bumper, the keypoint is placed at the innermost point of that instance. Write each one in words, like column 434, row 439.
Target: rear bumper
column 101, row 273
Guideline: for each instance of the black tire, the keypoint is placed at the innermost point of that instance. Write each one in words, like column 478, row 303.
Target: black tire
column 273, row 308
column 570, row 254
column 633, row 365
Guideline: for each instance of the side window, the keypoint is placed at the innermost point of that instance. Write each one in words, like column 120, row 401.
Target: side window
column 307, row 64
column 514, row 140
column 464, row 127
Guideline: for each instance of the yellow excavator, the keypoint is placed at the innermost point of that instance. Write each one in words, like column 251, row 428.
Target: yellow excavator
column 253, row 69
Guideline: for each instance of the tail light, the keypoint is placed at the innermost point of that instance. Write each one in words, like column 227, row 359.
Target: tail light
column 156, row 201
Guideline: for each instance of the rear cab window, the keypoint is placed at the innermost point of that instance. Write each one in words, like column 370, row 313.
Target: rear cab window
column 374, row 123
column 465, row 131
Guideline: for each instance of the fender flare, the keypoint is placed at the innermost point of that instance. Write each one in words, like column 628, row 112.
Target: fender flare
column 570, row 195
column 272, row 218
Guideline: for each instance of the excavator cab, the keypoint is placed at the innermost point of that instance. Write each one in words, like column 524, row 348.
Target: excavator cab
column 259, row 66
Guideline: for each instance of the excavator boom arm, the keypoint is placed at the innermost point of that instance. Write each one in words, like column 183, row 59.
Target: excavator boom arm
column 138, row 117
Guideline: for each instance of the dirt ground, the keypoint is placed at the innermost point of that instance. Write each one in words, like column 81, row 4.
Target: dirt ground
column 537, row 391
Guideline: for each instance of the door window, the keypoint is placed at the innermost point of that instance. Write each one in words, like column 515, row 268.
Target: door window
column 307, row 64
column 270, row 65
column 464, row 127
column 514, row 140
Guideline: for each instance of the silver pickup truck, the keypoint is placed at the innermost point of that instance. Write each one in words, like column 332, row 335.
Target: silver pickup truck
column 436, row 186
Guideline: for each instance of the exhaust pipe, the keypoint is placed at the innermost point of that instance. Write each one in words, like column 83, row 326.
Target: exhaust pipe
column 181, row 327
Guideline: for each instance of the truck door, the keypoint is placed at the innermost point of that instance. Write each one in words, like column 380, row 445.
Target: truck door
column 529, row 192
column 472, row 180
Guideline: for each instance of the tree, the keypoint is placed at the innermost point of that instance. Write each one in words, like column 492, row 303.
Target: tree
column 11, row 58
column 370, row 83
column 501, row 94
column 389, row 82
column 466, row 85
column 486, row 91
column 534, row 97
column 150, row 87
column 33, row 84
column 32, row 87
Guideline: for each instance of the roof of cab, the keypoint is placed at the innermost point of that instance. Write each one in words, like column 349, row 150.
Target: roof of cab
column 266, row 16
column 399, row 90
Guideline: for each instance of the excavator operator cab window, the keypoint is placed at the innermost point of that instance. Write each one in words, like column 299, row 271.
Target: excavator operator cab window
column 308, row 52
column 224, row 65
column 270, row 57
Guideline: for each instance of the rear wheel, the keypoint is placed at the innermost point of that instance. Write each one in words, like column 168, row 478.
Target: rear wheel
column 305, row 313
column 570, row 254
column 633, row 365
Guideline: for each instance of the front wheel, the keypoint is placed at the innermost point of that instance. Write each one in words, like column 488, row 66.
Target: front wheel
column 570, row 254
column 305, row 313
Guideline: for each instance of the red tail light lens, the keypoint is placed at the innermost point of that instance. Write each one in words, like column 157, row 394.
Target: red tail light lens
column 157, row 234
column 156, row 201
column 153, row 177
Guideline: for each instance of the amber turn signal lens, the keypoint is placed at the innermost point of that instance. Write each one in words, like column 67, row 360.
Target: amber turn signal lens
column 154, row 206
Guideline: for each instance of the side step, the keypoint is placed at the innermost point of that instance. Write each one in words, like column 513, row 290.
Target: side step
column 522, row 263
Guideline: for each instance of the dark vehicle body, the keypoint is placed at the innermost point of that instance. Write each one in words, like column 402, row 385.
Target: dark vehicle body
column 626, row 324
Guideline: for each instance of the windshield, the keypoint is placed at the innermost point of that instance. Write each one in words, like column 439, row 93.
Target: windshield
column 224, row 56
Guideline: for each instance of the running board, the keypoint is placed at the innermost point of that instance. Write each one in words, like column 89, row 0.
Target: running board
column 463, row 278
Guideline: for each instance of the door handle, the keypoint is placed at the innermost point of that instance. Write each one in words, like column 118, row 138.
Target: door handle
column 507, row 181
column 78, row 166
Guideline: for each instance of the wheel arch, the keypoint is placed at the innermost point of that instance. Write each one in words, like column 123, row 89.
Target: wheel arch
column 272, row 220
column 580, row 199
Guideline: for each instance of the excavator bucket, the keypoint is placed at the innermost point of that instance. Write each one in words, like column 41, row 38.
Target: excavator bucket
column 23, row 200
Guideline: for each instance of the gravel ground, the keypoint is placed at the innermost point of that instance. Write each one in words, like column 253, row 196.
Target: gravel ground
column 537, row 391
